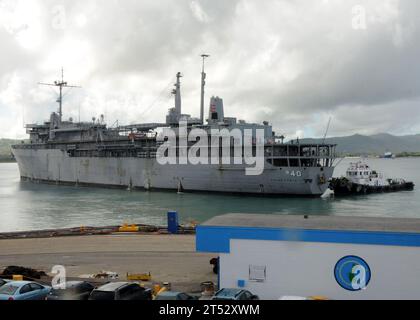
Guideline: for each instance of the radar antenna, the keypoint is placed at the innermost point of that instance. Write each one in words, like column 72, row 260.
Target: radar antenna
column 60, row 84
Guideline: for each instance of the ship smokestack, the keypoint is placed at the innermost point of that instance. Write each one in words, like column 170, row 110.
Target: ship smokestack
column 203, row 85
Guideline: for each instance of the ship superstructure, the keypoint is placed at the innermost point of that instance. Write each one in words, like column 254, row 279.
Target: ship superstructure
column 92, row 154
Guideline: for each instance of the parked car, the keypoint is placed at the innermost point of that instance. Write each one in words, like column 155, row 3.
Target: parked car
column 170, row 295
column 3, row 282
column 23, row 290
column 75, row 290
column 234, row 294
column 121, row 291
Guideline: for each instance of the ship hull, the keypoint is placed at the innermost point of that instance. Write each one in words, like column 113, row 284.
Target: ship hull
column 56, row 166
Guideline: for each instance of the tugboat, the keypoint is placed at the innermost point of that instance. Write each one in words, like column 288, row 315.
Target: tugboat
column 360, row 179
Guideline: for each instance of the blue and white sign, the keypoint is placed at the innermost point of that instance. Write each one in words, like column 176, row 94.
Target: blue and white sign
column 352, row 273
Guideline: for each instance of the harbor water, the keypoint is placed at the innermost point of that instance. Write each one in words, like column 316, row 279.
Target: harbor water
column 29, row 206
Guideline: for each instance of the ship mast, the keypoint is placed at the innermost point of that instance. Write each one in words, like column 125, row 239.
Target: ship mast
column 203, row 85
column 60, row 84
column 177, row 93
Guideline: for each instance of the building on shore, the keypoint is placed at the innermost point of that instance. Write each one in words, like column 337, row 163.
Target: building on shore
column 345, row 258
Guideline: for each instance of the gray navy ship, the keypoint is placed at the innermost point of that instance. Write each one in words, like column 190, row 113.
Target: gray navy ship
column 92, row 154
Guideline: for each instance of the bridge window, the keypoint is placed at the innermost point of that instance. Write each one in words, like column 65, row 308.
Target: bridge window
column 294, row 162
column 293, row 151
column 278, row 162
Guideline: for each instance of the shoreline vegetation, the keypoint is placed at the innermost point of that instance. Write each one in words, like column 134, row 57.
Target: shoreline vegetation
column 7, row 160
column 398, row 155
column 6, row 155
column 408, row 155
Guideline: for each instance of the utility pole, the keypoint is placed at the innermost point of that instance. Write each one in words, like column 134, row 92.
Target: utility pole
column 203, row 85
column 60, row 84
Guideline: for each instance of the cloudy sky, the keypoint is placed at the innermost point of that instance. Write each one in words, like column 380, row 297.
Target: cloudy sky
column 295, row 63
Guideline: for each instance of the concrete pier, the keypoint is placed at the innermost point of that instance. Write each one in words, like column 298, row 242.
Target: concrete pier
column 168, row 258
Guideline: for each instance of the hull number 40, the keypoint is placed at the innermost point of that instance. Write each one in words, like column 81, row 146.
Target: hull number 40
column 294, row 173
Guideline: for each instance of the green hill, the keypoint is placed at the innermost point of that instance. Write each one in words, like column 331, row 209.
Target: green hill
column 373, row 145
column 6, row 150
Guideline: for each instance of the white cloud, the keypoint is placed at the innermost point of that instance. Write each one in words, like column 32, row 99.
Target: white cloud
column 198, row 12
column 294, row 63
